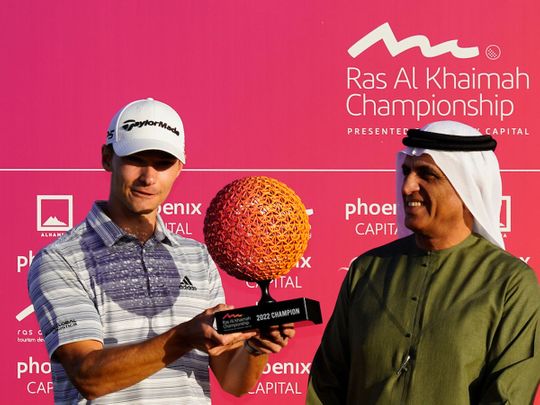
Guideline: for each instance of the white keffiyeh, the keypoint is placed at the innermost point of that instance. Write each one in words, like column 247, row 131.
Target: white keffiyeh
column 474, row 175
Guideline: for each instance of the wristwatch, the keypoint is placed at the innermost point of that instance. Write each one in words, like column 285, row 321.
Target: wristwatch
column 250, row 349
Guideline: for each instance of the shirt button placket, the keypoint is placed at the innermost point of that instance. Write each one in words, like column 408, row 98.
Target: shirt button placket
column 147, row 269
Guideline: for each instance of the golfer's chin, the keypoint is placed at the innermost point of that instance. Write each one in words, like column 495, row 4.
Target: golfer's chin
column 143, row 209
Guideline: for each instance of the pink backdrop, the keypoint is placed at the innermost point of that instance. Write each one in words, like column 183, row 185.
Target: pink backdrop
column 264, row 88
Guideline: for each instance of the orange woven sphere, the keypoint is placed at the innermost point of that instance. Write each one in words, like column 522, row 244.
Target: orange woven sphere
column 256, row 228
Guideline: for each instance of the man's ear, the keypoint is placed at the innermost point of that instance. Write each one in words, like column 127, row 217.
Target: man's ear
column 180, row 167
column 468, row 217
column 106, row 157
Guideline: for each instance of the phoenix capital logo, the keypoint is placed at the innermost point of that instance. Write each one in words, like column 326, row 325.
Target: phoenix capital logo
column 385, row 34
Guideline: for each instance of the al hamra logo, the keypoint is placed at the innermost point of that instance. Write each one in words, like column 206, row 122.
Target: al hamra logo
column 506, row 214
column 54, row 213
column 385, row 34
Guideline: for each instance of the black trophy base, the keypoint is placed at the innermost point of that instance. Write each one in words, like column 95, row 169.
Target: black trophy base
column 268, row 314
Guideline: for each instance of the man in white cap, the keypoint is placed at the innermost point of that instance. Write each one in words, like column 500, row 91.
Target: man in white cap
column 444, row 316
column 126, row 306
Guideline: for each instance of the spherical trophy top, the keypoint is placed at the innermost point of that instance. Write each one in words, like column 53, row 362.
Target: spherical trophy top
column 256, row 228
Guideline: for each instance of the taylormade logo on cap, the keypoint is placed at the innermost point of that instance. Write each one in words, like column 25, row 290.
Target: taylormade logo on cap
column 129, row 124
column 147, row 125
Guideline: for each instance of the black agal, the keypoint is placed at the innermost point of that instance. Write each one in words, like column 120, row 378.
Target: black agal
column 417, row 138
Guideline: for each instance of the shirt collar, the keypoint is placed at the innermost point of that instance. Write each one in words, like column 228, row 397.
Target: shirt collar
column 465, row 243
column 163, row 234
column 110, row 233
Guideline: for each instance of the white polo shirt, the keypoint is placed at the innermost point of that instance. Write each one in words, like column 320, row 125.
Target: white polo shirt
column 97, row 282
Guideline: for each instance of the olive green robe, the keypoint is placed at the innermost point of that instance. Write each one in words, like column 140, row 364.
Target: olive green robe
column 450, row 327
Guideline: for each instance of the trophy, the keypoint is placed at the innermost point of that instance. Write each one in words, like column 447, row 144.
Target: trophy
column 256, row 229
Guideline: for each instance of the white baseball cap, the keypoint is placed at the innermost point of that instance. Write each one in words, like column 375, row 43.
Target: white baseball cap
column 147, row 125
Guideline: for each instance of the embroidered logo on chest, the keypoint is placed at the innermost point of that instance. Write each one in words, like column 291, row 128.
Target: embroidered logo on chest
column 186, row 284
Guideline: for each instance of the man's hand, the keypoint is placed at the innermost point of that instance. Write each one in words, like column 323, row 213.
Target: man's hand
column 201, row 335
column 272, row 339
column 238, row 370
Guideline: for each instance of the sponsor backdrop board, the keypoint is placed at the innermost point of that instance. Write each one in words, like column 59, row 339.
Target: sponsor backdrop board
column 316, row 94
